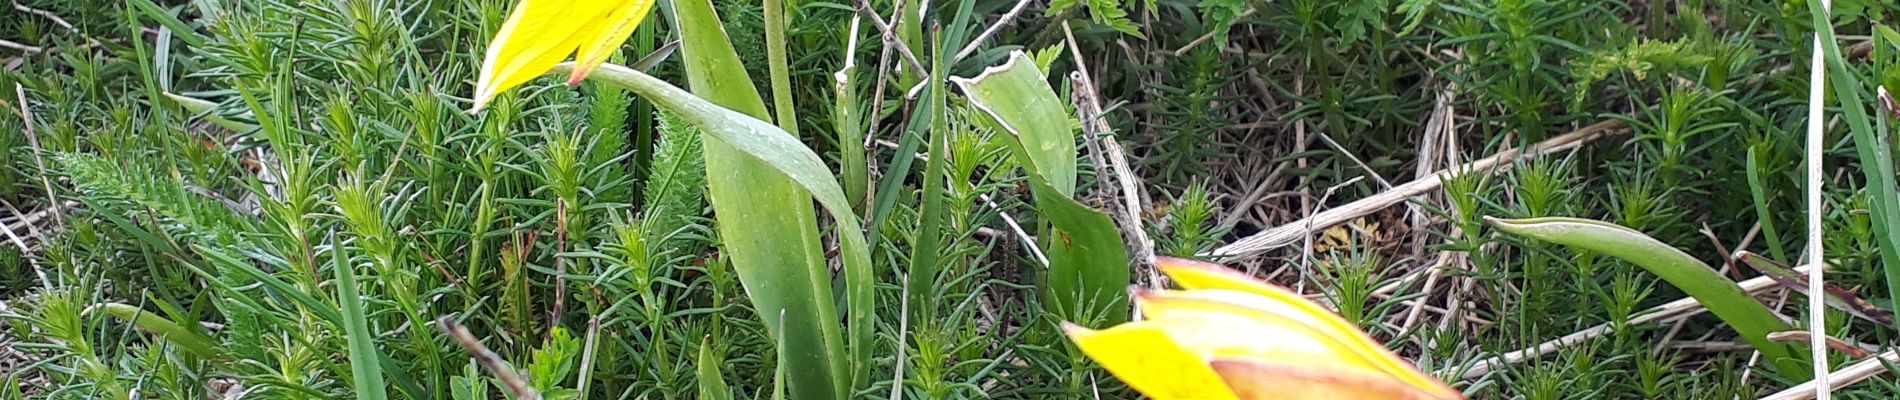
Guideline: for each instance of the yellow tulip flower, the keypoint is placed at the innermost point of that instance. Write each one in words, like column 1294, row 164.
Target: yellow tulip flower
column 1229, row 336
column 542, row 33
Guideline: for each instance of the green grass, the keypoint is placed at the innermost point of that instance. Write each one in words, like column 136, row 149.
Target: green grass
column 300, row 230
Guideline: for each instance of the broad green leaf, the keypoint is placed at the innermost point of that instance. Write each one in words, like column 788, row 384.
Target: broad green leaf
column 1088, row 265
column 765, row 219
column 1720, row 295
column 761, row 180
column 1018, row 95
column 365, row 370
column 171, row 331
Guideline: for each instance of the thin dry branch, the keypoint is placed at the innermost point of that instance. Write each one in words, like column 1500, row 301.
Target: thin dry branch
column 890, row 35
column 991, row 31
column 510, row 379
column 1852, row 374
column 1291, row 232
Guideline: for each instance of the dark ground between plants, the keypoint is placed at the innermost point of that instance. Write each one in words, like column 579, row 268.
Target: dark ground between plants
column 1239, row 117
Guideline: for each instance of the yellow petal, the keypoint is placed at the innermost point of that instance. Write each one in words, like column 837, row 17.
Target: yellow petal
column 1255, row 380
column 1228, row 324
column 1200, row 275
column 536, row 37
column 615, row 29
column 1146, row 359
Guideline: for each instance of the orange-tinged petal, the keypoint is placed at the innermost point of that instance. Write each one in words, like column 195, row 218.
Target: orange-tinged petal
column 617, row 26
column 1255, row 380
column 540, row 34
column 1146, row 359
column 1200, row 275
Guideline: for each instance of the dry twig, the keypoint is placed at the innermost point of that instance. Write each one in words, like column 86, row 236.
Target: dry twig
column 1291, row 232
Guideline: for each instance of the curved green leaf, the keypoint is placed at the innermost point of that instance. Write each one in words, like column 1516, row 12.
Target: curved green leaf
column 165, row 328
column 1088, row 263
column 1720, row 295
column 769, row 230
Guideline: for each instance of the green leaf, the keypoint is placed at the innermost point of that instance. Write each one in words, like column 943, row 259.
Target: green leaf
column 1017, row 95
column 1088, row 265
column 184, row 338
column 365, row 368
column 764, row 217
column 1721, row 296
column 761, row 180
column 165, row 17
column 199, row 106
column 712, row 385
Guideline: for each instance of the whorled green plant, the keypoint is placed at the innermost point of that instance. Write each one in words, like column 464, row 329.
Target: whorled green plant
column 1720, row 295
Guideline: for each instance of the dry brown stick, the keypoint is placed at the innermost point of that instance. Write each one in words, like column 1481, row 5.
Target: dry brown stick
column 1681, row 308
column 1840, row 378
column 46, row 14
column 493, row 362
column 991, row 31
column 26, row 115
column 1851, row 349
column 27, row 252
column 1089, row 108
column 1288, row 233
column 22, row 47
column 890, row 35
column 1437, row 270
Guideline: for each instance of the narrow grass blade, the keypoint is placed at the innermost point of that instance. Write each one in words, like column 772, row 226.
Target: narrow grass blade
column 712, row 385
column 1836, row 296
column 1720, row 295
column 928, row 241
column 366, row 370
column 183, row 338
column 1088, row 263
column 845, row 120
column 1876, row 157
column 200, row 106
column 229, row 263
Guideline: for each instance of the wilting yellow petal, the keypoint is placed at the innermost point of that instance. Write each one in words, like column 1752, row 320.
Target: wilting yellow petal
column 1191, row 274
column 541, row 33
column 1146, row 359
column 614, row 30
column 1256, row 380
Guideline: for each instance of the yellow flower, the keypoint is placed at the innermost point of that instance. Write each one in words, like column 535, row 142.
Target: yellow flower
column 1228, row 336
column 542, row 33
